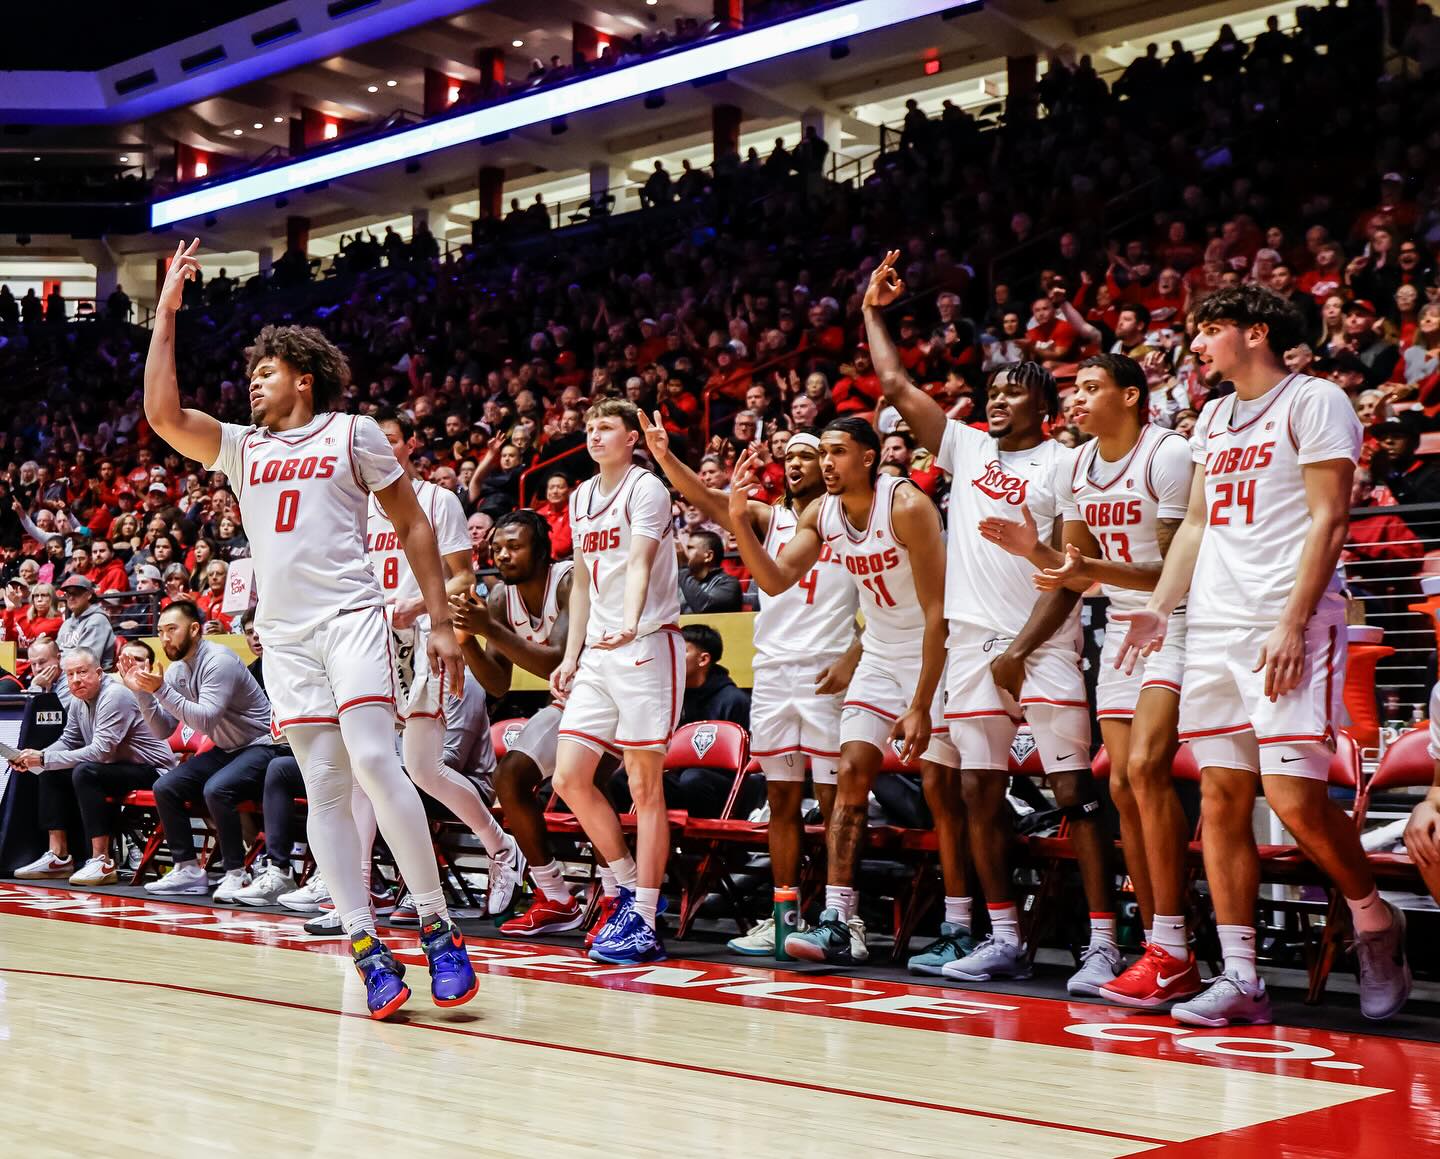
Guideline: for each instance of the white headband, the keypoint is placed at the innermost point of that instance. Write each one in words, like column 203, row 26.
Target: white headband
column 803, row 439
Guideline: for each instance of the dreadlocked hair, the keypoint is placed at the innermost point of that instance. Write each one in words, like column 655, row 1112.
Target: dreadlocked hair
column 306, row 351
column 1034, row 378
column 539, row 531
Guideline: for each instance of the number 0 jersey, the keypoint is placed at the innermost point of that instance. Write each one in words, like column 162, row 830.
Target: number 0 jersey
column 302, row 496
column 879, row 566
column 387, row 555
column 1121, row 503
column 814, row 620
column 1253, row 454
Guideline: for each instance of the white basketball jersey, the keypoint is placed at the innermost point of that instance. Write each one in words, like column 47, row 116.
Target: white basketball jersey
column 387, row 556
column 302, row 497
column 984, row 584
column 879, row 566
column 1121, row 502
column 537, row 628
column 1257, row 517
column 815, row 620
column 603, row 527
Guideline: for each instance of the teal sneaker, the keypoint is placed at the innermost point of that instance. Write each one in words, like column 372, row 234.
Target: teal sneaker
column 830, row 941
column 953, row 944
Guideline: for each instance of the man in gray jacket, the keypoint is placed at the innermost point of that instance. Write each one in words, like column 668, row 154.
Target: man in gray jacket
column 106, row 750
column 86, row 626
column 207, row 691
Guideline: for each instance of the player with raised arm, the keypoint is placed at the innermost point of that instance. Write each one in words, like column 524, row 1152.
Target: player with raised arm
column 524, row 621
column 806, row 650
column 1127, row 496
column 422, row 695
column 303, row 475
column 1265, row 642
column 623, row 673
column 886, row 533
column 1012, row 655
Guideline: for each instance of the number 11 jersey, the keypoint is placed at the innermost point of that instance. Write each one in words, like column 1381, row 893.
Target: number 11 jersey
column 1253, row 454
column 303, row 495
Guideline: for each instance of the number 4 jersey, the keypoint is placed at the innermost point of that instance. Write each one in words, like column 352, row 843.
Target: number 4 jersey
column 302, row 497
column 1253, row 453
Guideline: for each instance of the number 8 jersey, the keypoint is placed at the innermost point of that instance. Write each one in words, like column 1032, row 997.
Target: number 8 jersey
column 1253, row 453
column 302, row 496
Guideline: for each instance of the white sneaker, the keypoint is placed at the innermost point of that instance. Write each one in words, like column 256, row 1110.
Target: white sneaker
column 227, row 891
column 96, row 871
column 405, row 913
column 859, row 952
column 325, row 924
column 186, row 877
column 268, row 885
column 47, row 867
column 1100, row 965
column 306, row 899
column 506, row 873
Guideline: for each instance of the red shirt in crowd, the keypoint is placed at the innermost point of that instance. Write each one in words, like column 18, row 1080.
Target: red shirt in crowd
column 111, row 578
column 1057, row 338
column 1320, row 284
column 561, row 544
column 857, row 395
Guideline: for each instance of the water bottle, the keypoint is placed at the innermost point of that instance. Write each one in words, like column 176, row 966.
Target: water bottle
column 787, row 917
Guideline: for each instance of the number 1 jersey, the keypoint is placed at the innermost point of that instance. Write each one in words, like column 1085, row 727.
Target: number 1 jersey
column 302, row 496
column 1253, row 454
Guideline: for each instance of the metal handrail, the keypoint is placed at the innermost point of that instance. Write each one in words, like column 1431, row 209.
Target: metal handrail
column 525, row 474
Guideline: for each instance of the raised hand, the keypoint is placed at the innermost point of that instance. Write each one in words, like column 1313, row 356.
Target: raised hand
column 183, row 267
column 885, row 283
column 657, row 438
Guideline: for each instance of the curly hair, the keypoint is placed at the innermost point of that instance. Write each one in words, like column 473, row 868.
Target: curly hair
column 1252, row 305
column 306, row 351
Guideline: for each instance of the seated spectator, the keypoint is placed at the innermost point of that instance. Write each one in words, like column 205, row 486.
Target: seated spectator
column 213, row 597
column 1378, row 355
column 480, row 525
column 45, row 674
column 106, row 751
column 246, row 624
column 1051, row 338
column 1395, row 464
column 86, row 625
column 556, row 512
column 107, row 572
column 207, row 690
column 705, row 586
column 176, row 587
column 1419, row 368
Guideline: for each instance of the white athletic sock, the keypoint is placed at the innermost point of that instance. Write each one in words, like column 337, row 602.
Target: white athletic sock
column 958, row 911
column 1102, row 929
column 551, row 880
column 646, row 901
column 1369, row 913
column 357, row 921
column 608, row 885
column 1169, row 934
column 1005, row 923
column 842, row 899
column 626, row 875
column 1237, row 946
column 430, row 905
column 1149, row 935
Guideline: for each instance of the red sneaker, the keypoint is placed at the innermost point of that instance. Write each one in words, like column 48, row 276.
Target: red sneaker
column 545, row 916
column 1156, row 979
column 603, row 915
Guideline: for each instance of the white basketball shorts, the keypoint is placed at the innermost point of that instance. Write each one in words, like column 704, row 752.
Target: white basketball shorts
column 537, row 739
column 1230, row 723
column 983, row 720
column 344, row 663
column 1116, row 693
column 880, row 693
column 419, row 691
column 629, row 697
column 790, row 723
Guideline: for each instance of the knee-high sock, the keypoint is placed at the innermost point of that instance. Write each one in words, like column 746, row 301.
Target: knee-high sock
column 329, row 783
column 369, row 734
column 423, row 747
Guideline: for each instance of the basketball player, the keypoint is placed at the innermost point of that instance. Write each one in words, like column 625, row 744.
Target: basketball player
column 535, row 640
column 622, row 693
column 422, row 707
column 1011, row 655
column 806, row 650
column 1127, row 496
column 886, row 533
column 303, row 474
column 1265, row 641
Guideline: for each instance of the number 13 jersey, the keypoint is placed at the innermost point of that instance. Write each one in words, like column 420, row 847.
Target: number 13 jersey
column 1253, row 454
column 302, row 497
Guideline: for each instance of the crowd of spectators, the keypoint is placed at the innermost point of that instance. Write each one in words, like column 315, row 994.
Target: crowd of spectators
column 1091, row 217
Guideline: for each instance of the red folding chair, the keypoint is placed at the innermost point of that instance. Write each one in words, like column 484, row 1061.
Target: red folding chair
column 504, row 732
column 185, row 743
column 723, row 746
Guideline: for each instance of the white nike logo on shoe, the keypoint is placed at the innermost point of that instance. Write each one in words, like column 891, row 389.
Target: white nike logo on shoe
column 1162, row 981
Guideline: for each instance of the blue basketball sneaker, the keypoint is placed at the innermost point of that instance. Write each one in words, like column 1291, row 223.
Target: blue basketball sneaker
column 385, row 989
column 627, row 939
column 452, row 977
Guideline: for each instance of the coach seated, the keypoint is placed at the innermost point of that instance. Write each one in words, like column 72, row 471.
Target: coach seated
column 106, row 750
column 207, row 690
column 45, row 674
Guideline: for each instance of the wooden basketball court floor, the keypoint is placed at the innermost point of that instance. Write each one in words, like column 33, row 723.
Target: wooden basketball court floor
column 133, row 1026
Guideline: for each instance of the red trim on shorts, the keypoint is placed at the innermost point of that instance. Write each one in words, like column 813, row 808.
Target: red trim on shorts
column 795, row 749
column 868, row 708
column 1330, row 681
column 265, row 433
column 1296, row 739
column 1157, row 683
column 284, row 724
column 641, row 744
column 1056, row 703
column 1107, row 713
column 608, row 746
column 968, row 715
column 359, row 700
column 436, row 715
column 1229, row 728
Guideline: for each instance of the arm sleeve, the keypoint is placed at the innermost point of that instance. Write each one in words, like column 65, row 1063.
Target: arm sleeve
column 1324, row 426
column 227, row 460
column 1170, row 477
column 649, row 508
column 112, row 722
column 451, row 532
column 40, row 537
column 375, row 464
column 958, row 438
